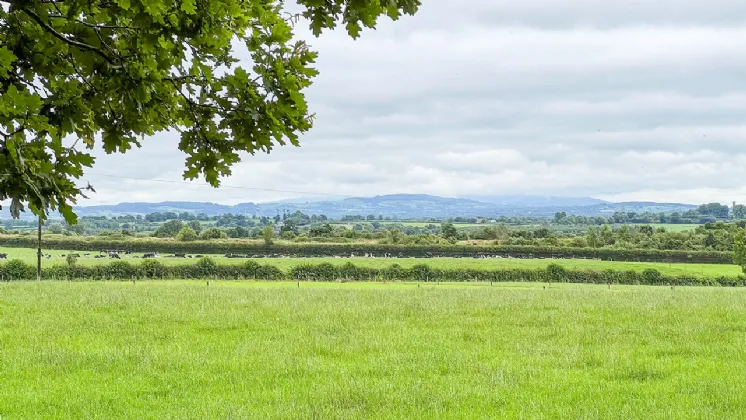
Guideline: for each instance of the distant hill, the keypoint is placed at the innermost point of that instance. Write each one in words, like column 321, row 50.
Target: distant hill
column 644, row 206
column 536, row 200
column 166, row 206
column 403, row 206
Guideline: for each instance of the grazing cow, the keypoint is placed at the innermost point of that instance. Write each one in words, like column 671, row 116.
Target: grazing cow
column 76, row 255
column 198, row 256
column 179, row 256
column 236, row 256
column 115, row 256
column 86, row 255
column 150, row 255
column 3, row 256
column 100, row 256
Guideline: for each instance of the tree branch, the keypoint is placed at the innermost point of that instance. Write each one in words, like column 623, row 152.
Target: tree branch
column 194, row 113
column 179, row 78
column 90, row 25
column 61, row 37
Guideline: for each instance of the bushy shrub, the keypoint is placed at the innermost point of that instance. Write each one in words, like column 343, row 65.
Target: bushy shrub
column 120, row 270
column 152, row 269
column 315, row 249
column 557, row 273
column 17, row 270
column 206, row 268
column 652, row 276
column 187, row 234
column 213, row 233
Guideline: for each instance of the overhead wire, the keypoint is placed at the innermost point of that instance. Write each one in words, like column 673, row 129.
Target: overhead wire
column 222, row 186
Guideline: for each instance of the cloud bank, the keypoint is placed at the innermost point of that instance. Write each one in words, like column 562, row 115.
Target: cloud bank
column 635, row 100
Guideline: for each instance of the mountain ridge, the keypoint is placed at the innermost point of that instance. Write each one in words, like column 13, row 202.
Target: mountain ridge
column 402, row 206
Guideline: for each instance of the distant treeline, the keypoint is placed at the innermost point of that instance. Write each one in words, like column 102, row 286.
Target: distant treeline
column 361, row 249
column 205, row 268
column 298, row 223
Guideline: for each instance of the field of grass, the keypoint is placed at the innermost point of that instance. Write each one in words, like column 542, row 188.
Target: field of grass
column 708, row 270
column 411, row 224
column 181, row 350
column 676, row 228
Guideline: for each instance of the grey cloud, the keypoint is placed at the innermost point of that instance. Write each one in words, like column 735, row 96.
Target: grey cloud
column 622, row 100
column 571, row 13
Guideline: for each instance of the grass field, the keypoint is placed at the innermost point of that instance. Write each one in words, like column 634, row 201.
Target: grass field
column 412, row 224
column 181, row 350
column 709, row 270
column 676, row 228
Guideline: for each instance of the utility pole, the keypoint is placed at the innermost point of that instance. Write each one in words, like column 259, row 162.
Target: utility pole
column 38, row 253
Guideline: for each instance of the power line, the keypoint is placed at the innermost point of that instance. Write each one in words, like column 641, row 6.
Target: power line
column 222, row 186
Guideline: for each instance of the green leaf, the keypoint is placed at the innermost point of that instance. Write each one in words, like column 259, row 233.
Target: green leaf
column 188, row 7
column 6, row 61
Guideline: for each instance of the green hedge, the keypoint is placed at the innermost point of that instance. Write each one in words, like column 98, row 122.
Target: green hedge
column 324, row 250
column 205, row 268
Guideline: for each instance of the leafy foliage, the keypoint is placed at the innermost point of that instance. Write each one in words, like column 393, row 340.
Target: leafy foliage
column 395, row 250
column 187, row 234
column 114, row 72
column 448, row 230
column 213, row 233
column 205, row 268
column 169, row 229
column 739, row 248
column 268, row 233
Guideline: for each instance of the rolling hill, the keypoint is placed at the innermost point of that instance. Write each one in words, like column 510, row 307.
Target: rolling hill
column 402, row 206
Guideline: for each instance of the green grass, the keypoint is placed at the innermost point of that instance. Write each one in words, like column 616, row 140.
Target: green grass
column 676, row 228
column 705, row 270
column 181, row 350
column 412, row 224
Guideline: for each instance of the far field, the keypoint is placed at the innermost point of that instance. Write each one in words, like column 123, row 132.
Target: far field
column 675, row 228
column 350, row 225
column 667, row 226
column 705, row 270
column 181, row 350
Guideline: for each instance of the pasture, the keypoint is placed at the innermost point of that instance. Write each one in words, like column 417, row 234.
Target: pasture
column 676, row 227
column 384, row 223
column 181, row 350
column 704, row 270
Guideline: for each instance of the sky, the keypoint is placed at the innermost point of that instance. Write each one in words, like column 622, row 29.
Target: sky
column 633, row 100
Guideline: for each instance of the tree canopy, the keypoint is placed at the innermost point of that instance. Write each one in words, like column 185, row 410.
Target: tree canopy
column 80, row 74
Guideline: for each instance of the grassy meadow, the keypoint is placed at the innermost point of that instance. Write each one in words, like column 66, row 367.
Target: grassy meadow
column 676, row 227
column 181, row 350
column 704, row 270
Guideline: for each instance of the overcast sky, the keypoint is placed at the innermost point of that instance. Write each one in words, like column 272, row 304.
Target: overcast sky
column 633, row 100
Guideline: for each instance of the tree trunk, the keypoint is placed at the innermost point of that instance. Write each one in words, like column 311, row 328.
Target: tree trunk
column 38, row 253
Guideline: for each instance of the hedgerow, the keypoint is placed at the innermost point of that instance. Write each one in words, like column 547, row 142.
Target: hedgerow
column 205, row 268
column 255, row 249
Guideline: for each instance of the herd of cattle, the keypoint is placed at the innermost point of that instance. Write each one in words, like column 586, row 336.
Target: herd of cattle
column 116, row 254
column 103, row 254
